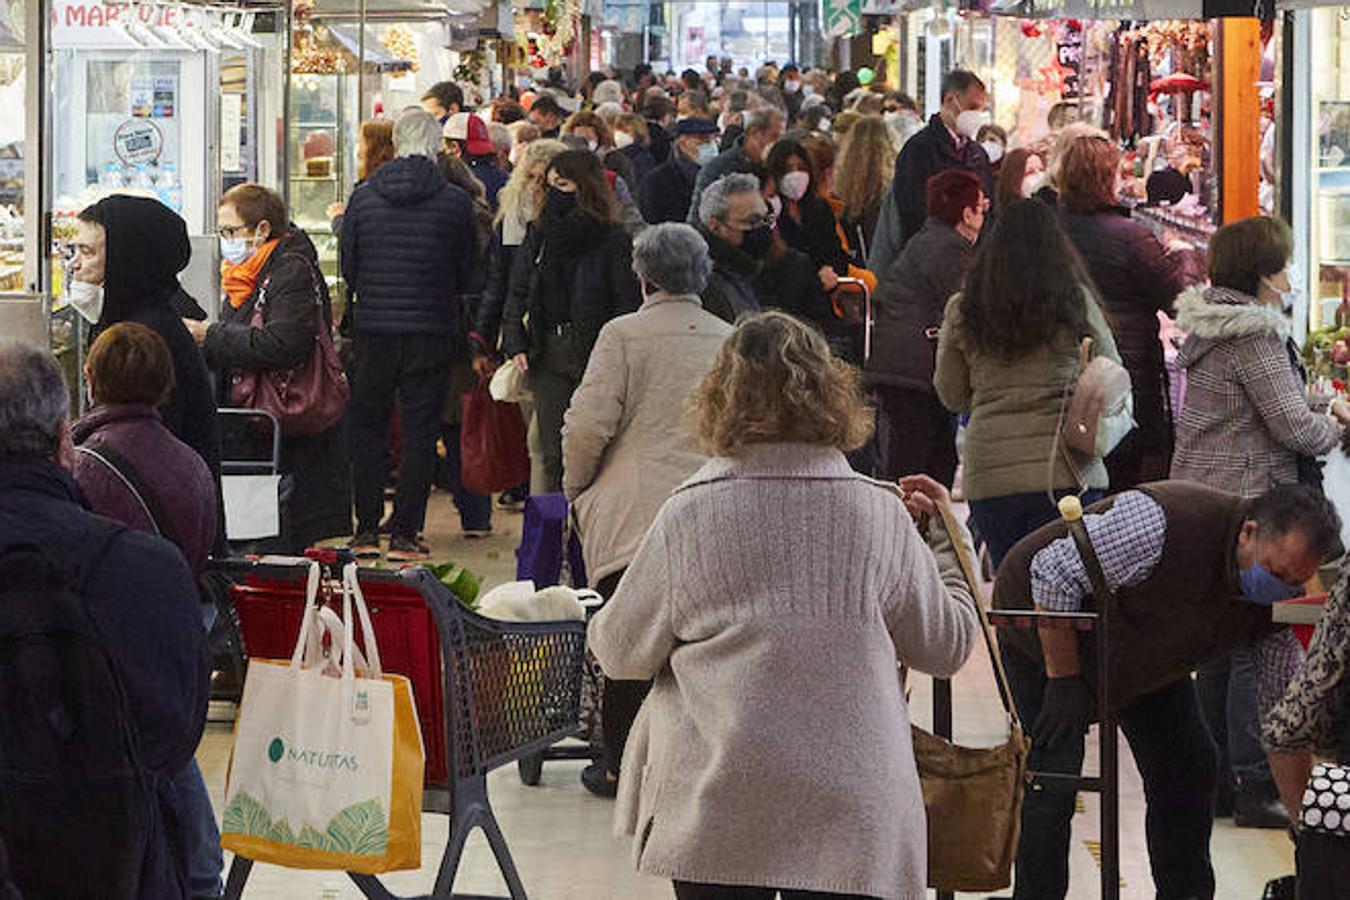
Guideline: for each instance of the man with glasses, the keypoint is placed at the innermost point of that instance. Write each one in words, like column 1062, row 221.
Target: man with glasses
column 751, row 269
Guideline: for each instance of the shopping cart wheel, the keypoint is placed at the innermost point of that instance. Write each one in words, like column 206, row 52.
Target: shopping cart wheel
column 531, row 768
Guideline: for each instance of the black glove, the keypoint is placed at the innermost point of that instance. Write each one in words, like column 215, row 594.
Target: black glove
column 1066, row 711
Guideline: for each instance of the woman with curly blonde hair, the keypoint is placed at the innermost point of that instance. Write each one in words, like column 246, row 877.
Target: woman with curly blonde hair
column 862, row 176
column 748, row 604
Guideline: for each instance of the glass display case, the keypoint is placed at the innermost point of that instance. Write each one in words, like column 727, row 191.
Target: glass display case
column 23, row 309
column 1329, row 158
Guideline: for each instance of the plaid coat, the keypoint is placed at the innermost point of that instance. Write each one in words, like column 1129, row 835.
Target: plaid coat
column 1245, row 420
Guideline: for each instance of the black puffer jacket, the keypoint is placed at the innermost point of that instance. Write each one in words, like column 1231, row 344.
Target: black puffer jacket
column 909, row 305
column 317, row 493
column 147, row 246
column 1137, row 279
column 603, row 287
column 409, row 246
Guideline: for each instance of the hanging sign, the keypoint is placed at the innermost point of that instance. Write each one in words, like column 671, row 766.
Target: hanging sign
column 1069, row 55
column 840, row 18
column 138, row 141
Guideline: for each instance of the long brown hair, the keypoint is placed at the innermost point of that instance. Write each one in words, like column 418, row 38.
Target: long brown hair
column 595, row 197
column 1087, row 174
column 865, row 167
column 1011, row 174
column 378, row 137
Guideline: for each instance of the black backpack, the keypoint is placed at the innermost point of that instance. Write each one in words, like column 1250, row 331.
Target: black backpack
column 77, row 807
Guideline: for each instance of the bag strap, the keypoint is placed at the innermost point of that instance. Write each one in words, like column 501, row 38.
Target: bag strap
column 131, row 479
column 1057, row 445
column 969, row 570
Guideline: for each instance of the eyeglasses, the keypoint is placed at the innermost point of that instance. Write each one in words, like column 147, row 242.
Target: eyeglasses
column 233, row 231
column 759, row 221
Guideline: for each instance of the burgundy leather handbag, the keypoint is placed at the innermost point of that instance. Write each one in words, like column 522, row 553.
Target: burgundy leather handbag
column 307, row 399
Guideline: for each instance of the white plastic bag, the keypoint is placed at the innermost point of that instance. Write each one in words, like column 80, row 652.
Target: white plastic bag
column 510, row 385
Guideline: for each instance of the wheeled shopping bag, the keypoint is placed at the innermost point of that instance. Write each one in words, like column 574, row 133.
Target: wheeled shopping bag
column 504, row 690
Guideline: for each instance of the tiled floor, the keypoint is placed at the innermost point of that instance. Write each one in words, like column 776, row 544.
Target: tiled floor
column 561, row 836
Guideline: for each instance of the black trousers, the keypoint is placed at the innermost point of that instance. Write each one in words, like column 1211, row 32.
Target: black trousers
column 916, row 434
column 688, row 890
column 621, row 700
column 1177, row 761
column 413, row 370
column 1323, row 863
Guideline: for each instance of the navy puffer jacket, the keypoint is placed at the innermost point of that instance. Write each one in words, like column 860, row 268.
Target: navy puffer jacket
column 409, row 245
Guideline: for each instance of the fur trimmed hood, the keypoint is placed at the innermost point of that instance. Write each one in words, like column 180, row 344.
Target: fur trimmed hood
column 1211, row 316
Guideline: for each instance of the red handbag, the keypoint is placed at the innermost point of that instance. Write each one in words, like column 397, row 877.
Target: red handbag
column 493, row 455
column 308, row 399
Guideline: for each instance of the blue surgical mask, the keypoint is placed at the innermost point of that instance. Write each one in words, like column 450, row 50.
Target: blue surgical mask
column 1259, row 586
column 707, row 152
column 236, row 249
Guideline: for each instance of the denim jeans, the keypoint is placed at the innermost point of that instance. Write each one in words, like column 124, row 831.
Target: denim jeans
column 414, row 370
column 475, row 510
column 1228, row 701
column 197, row 832
column 1003, row 521
column 1176, row 760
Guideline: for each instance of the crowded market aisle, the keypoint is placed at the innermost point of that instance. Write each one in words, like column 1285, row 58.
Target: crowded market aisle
column 561, row 836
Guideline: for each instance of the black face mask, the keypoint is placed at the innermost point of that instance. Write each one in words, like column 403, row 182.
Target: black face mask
column 559, row 203
column 757, row 241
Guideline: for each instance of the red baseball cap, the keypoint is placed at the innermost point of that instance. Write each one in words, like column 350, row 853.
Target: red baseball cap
column 472, row 130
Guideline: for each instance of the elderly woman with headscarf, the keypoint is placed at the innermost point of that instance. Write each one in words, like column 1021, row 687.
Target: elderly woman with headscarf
column 625, row 447
column 128, row 253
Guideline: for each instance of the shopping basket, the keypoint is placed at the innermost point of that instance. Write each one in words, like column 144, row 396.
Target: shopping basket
column 488, row 692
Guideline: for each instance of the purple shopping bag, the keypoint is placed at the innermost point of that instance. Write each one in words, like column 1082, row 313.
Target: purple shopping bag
column 540, row 555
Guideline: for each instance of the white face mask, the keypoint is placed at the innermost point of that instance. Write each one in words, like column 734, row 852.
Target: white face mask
column 794, row 185
column 824, row 126
column 237, row 249
column 622, row 139
column 707, row 152
column 994, row 150
column 514, row 156
column 87, row 299
column 1033, row 183
column 808, row 91
column 791, row 87
column 1287, row 298
column 593, row 144
column 969, row 123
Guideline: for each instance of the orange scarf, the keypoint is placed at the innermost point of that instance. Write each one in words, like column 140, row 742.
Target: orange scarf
column 238, row 279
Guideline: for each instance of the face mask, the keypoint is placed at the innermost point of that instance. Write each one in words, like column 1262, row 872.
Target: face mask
column 824, row 126
column 592, row 144
column 775, row 206
column 808, row 91
column 622, row 139
column 1259, row 586
column 1288, row 297
column 792, row 87
column 757, row 241
column 236, row 249
column 87, row 299
column 969, row 123
column 559, row 203
column 514, row 156
column 994, row 150
column 794, row 184
column 1033, row 183
column 707, row 152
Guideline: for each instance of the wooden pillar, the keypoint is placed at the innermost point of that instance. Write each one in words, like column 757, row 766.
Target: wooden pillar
column 1237, row 68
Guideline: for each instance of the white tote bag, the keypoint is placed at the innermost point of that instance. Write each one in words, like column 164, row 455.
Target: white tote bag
column 312, row 773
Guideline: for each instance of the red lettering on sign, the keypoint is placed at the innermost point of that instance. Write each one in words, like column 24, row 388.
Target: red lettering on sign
column 77, row 16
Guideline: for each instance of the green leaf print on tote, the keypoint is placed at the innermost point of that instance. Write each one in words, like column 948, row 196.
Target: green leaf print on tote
column 359, row 829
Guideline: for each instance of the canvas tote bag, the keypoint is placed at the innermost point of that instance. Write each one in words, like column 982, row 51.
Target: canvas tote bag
column 973, row 797
column 326, row 772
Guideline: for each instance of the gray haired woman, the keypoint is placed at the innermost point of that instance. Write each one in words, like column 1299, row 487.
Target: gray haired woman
column 625, row 444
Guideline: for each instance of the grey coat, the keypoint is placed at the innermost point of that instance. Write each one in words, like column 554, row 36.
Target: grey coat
column 1245, row 420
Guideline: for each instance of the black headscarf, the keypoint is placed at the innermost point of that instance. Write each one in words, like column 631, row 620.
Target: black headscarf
column 147, row 246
